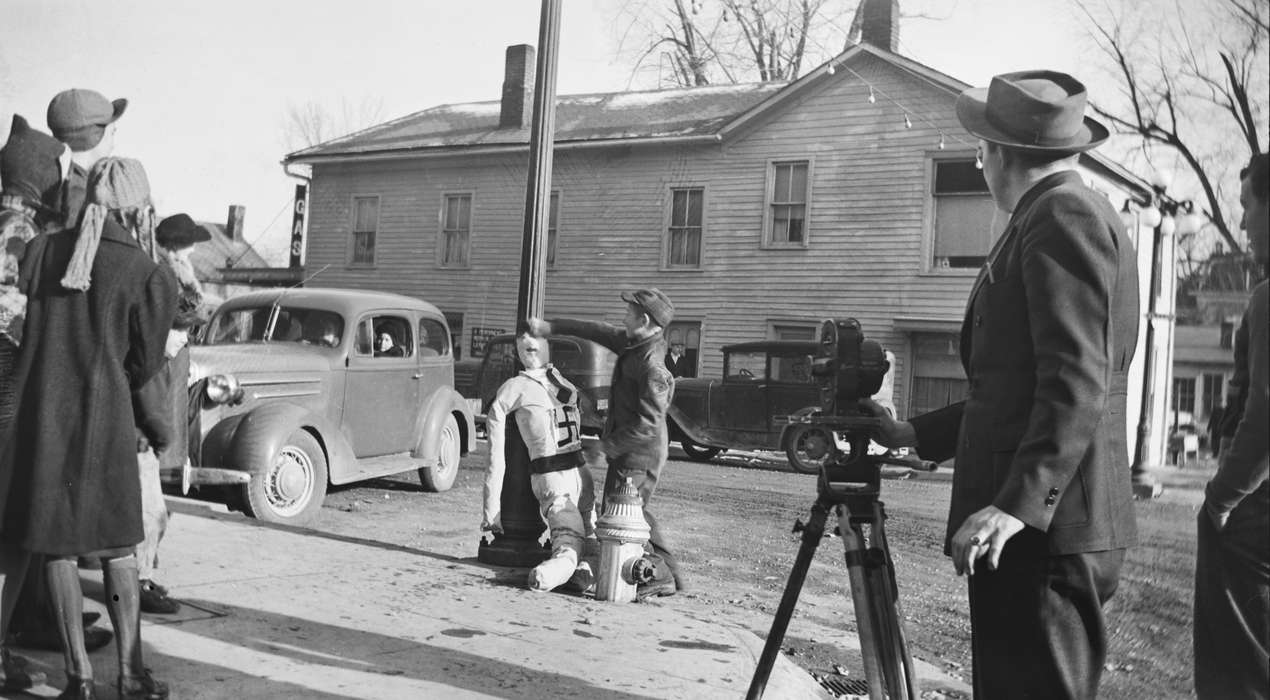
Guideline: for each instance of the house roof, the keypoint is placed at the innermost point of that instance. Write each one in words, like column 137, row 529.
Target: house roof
column 711, row 113
column 210, row 256
column 653, row 114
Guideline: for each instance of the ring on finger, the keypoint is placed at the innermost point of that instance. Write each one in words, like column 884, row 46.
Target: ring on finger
column 975, row 541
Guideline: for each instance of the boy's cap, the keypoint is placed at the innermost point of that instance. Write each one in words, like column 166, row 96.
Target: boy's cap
column 654, row 303
column 77, row 116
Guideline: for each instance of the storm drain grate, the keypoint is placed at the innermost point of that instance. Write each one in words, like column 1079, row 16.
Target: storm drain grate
column 845, row 687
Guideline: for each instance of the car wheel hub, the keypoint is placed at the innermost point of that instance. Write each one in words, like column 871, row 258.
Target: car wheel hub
column 291, row 479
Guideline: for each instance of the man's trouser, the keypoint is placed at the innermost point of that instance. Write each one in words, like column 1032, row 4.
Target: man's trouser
column 1232, row 603
column 1037, row 628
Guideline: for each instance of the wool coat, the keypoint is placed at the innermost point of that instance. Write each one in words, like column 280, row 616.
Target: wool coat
column 1049, row 332
column 69, row 481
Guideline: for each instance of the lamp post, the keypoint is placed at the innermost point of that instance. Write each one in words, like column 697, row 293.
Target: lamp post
column 1167, row 219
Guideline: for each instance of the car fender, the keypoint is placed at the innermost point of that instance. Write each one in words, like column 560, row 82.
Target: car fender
column 247, row 441
column 805, row 411
column 681, row 427
column 441, row 405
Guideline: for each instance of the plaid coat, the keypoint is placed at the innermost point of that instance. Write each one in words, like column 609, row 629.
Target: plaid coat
column 69, row 482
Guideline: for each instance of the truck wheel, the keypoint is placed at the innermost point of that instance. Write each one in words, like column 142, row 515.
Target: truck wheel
column 807, row 448
column 292, row 487
column 699, row 453
column 449, row 450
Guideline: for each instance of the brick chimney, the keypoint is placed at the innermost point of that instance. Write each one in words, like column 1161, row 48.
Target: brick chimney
column 518, row 88
column 877, row 22
column 234, row 222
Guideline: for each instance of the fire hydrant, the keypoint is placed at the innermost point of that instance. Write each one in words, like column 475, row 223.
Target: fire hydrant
column 622, row 532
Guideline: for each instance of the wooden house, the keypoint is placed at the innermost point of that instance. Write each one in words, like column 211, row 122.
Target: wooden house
column 760, row 209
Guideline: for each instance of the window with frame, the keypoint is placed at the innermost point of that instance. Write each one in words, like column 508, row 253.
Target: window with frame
column 964, row 220
column 553, row 226
column 365, row 224
column 787, row 203
column 456, row 223
column 794, row 331
column 683, row 238
column 1214, row 384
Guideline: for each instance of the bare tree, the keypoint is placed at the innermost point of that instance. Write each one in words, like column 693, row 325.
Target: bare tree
column 711, row 41
column 311, row 123
column 1191, row 85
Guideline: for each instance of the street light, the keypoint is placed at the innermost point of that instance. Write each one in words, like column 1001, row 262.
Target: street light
column 1167, row 218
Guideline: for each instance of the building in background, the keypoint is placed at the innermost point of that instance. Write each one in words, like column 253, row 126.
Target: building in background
column 761, row 209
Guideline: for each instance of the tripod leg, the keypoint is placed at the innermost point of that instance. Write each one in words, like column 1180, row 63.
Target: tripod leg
column 887, row 664
column 812, row 534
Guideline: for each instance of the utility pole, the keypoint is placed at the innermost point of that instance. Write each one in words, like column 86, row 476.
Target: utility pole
column 518, row 544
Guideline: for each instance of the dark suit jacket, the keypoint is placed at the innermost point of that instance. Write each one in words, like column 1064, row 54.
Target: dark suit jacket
column 1049, row 331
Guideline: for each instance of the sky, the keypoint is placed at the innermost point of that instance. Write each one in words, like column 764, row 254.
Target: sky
column 209, row 84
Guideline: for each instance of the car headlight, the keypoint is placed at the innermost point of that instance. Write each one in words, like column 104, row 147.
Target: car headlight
column 223, row 388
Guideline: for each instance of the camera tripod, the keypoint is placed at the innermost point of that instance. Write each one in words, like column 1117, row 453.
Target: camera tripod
column 849, row 485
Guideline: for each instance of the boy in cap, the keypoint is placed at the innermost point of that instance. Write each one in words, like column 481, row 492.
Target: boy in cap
column 85, row 121
column 635, row 439
column 543, row 408
column 1041, row 491
column 174, row 238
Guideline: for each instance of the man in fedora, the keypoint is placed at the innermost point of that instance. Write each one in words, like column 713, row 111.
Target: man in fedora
column 1041, row 509
column 85, row 121
column 635, row 441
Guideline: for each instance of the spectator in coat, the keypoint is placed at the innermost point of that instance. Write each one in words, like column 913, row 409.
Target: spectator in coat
column 1042, row 508
column 84, row 121
column 174, row 238
column 31, row 175
column 98, row 312
column 1232, row 563
column 677, row 362
column 635, row 439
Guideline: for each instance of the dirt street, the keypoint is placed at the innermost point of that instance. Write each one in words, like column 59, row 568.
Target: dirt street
column 731, row 521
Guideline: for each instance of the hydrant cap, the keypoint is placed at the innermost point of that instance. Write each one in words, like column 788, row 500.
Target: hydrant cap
column 623, row 517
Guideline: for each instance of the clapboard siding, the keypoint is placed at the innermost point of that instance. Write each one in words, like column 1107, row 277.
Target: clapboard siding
column 869, row 191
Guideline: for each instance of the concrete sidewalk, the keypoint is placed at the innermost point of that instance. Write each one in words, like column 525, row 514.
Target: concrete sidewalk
column 273, row 612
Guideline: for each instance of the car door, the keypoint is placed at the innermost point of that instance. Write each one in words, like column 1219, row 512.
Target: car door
column 381, row 394
column 741, row 406
column 434, row 368
column 790, row 387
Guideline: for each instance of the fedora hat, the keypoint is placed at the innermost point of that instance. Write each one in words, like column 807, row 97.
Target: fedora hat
column 179, row 231
column 1036, row 110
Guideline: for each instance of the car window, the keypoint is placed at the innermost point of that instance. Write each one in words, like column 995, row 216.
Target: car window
column 792, row 369
column 746, row 366
column 293, row 324
column 385, row 336
column 432, row 338
column 566, row 355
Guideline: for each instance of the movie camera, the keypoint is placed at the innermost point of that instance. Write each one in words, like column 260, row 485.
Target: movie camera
column 851, row 368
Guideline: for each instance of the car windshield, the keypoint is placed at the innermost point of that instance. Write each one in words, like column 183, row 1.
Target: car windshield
column 294, row 325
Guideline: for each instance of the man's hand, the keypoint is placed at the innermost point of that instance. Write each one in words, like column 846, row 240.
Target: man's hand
column 492, row 524
column 891, row 432
column 984, row 532
column 538, row 327
column 1219, row 519
column 176, row 340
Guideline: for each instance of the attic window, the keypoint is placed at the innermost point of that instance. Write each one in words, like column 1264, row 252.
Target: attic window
column 788, row 200
column 964, row 223
column 365, row 222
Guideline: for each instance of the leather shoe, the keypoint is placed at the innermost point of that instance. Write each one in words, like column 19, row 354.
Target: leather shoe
column 47, row 639
column 155, row 599
column 78, row 689
column 142, row 687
